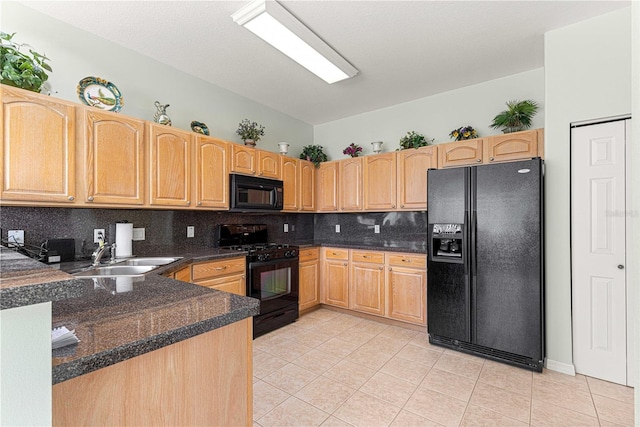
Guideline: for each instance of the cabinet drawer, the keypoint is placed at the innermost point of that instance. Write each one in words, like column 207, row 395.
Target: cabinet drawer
column 367, row 256
column 309, row 254
column 210, row 269
column 407, row 260
column 336, row 253
column 234, row 284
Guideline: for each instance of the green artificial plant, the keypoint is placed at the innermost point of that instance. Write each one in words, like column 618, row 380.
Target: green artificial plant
column 516, row 117
column 19, row 69
column 414, row 140
column 314, row 153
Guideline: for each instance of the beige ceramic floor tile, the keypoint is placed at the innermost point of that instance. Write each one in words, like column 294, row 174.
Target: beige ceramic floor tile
column 265, row 364
column 398, row 333
column 612, row 390
column 450, row 384
column 265, row 342
column 290, row 378
column 350, row 374
column 364, row 410
column 459, row 365
column 372, row 326
column 335, row 422
column 355, row 335
column 422, row 355
column 337, row 348
column 614, row 411
column 386, row 343
column 564, row 395
column 510, row 378
column 479, row 416
column 288, row 350
column 422, row 339
column 408, row 370
column 436, row 407
column 323, row 314
column 545, row 414
column 457, row 353
column 312, row 338
column 389, row 388
column 370, row 357
column 499, row 400
column 309, row 322
column 293, row 412
column 265, row 398
column 578, row 382
column 325, row 394
column 408, row 419
column 316, row 361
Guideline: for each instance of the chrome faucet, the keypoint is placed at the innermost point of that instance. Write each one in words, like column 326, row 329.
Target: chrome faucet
column 101, row 249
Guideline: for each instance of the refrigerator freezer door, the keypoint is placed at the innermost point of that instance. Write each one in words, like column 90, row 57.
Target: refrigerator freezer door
column 507, row 289
column 447, row 189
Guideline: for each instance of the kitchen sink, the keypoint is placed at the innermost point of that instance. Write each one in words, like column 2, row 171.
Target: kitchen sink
column 117, row 271
column 154, row 261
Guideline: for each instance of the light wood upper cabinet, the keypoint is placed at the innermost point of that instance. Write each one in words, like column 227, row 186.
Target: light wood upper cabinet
column 512, row 146
column 350, row 189
column 367, row 282
column 335, row 277
column 307, row 186
column 243, row 159
column 291, row 183
column 38, row 153
column 170, row 155
column 211, row 177
column 412, row 176
column 268, row 164
column 114, row 154
column 380, row 182
column 327, row 186
column 460, row 153
column 407, row 287
column 309, row 273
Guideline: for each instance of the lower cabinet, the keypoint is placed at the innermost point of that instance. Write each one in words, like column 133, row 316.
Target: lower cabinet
column 388, row 284
column 227, row 275
column 309, row 277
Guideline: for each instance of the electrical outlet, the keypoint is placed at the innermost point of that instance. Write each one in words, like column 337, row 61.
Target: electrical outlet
column 286, row 228
column 376, row 228
column 97, row 234
column 337, row 228
column 293, row 227
column 138, row 234
column 16, row 238
column 191, row 231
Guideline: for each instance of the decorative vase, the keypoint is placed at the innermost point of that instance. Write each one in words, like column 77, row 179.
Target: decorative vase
column 161, row 114
column 377, row 146
column 283, row 147
column 250, row 142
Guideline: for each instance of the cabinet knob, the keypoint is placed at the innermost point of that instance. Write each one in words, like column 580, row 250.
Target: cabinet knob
column 390, row 269
column 199, row 203
column 393, row 206
column 221, row 268
column 621, row 267
column 380, row 268
column 345, row 264
column 491, row 159
column 406, row 260
column 366, row 256
column 188, row 202
column 478, row 160
column 71, row 198
column 402, row 206
column 90, row 199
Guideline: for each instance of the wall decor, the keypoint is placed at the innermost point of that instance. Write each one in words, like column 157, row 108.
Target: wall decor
column 199, row 127
column 100, row 93
column 161, row 114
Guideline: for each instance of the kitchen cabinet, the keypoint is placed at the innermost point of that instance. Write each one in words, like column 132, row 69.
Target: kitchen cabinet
column 268, row 164
column 170, row 159
column 291, row 181
column 309, row 277
column 113, row 164
column 227, row 275
column 38, row 153
column 407, row 287
column 460, row 153
column 335, row 277
column 513, row 146
column 350, row 188
column 243, row 159
column 184, row 274
column 307, row 186
column 380, row 182
column 412, row 165
column 367, row 282
column 327, row 187
column 211, row 178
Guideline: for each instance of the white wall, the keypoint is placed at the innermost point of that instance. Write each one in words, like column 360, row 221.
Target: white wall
column 434, row 116
column 587, row 76
column 76, row 54
column 634, row 257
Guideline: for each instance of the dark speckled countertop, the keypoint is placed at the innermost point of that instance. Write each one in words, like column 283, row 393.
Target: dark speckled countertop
column 409, row 247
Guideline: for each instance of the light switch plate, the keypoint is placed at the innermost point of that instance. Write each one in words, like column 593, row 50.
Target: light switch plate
column 191, row 230
column 138, row 234
column 337, row 228
column 376, row 228
column 286, row 228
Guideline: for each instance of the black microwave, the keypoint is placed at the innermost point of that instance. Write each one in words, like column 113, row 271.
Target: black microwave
column 252, row 194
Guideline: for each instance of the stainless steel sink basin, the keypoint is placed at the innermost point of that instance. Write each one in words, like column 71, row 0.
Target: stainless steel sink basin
column 155, row 261
column 117, row 271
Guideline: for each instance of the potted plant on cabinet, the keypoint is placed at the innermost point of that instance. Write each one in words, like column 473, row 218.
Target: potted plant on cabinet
column 516, row 117
column 462, row 133
column 352, row 150
column 250, row 132
column 314, row 154
column 414, row 140
column 21, row 69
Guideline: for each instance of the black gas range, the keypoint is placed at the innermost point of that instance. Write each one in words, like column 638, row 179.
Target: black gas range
column 272, row 273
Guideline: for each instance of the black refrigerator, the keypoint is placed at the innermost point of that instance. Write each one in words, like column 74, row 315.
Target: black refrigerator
column 485, row 265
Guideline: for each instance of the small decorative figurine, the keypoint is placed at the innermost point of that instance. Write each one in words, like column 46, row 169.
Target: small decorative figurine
column 161, row 115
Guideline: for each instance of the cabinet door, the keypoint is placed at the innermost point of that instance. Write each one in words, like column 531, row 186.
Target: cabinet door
column 307, row 186
column 309, row 290
column 233, row 283
column 412, row 176
column 367, row 282
column 335, row 277
column 460, row 153
column 171, row 153
column 114, row 158
column 407, row 294
column 211, row 176
column 268, row 164
column 351, row 184
column 327, row 187
column 290, row 180
column 243, row 159
column 37, row 157
column 380, row 182
column 511, row 146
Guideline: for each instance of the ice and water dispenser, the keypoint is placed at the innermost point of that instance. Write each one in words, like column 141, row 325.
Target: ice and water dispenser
column 447, row 243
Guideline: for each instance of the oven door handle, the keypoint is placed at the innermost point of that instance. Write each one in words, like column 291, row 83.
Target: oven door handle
column 254, row 264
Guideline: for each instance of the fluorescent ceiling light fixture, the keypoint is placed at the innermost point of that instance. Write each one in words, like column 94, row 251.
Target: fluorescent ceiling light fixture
column 274, row 24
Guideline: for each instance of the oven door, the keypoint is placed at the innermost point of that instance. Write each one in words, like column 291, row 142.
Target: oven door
column 274, row 283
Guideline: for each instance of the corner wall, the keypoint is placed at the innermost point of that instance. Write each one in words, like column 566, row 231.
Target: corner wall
column 587, row 76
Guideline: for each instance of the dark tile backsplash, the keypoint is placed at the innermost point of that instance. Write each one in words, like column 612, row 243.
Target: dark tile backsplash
column 165, row 230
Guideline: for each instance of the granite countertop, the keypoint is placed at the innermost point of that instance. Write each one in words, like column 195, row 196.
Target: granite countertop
column 409, row 247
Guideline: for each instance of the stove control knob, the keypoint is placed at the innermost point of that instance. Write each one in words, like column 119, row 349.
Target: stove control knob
column 260, row 257
column 290, row 254
column 267, row 256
